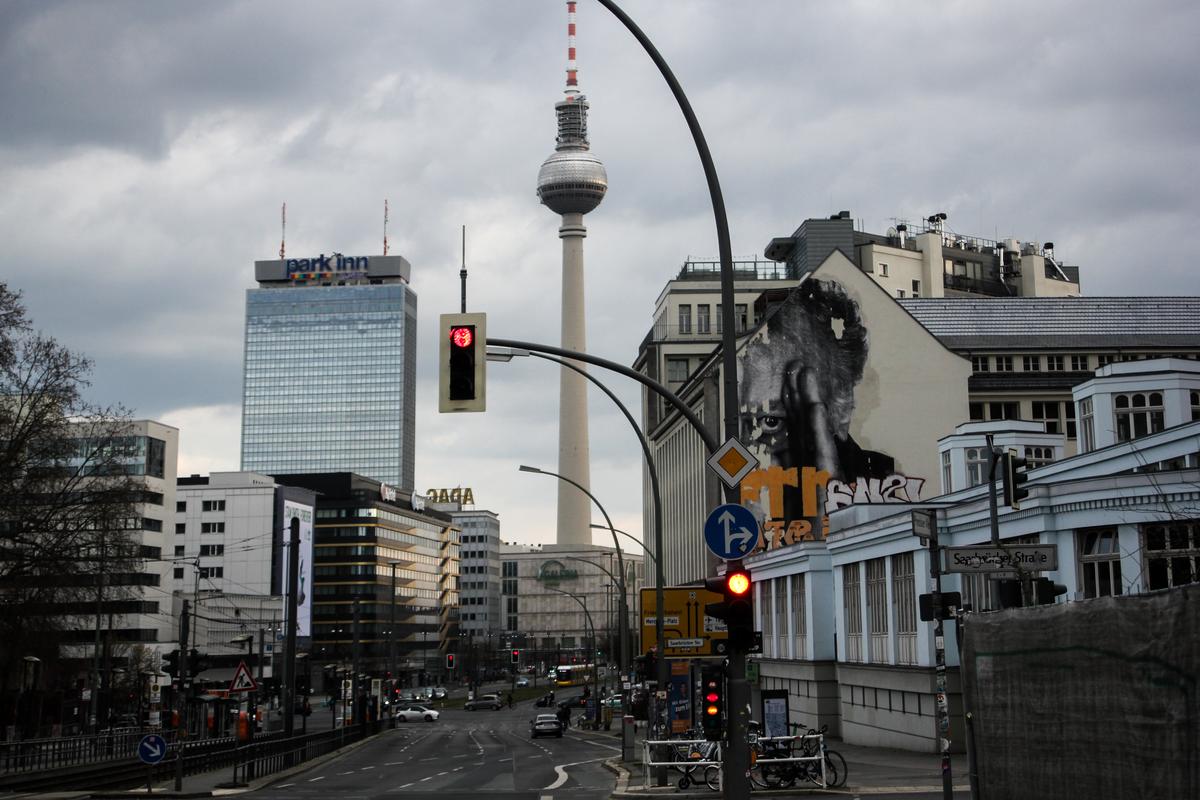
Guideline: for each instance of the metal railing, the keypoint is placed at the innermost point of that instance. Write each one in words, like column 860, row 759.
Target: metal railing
column 767, row 751
column 681, row 754
column 31, row 755
column 267, row 757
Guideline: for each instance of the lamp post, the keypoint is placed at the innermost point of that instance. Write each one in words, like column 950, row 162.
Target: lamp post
column 617, row 582
column 624, row 656
column 588, row 616
column 629, row 536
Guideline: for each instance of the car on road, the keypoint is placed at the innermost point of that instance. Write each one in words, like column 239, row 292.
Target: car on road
column 439, row 693
column 416, row 713
column 545, row 725
column 576, row 701
column 522, row 683
column 485, row 701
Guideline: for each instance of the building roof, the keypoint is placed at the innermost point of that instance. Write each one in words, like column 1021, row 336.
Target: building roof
column 1060, row 322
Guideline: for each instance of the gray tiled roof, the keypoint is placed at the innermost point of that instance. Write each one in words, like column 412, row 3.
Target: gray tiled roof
column 1060, row 322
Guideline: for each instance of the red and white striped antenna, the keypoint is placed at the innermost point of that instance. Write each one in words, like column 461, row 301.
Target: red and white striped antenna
column 282, row 230
column 385, row 222
column 572, row 70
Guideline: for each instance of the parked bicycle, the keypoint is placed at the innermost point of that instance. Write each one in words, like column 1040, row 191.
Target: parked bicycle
column 835, row 766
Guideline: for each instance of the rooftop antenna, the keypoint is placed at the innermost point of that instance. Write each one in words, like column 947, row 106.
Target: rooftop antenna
column 282, row 230
column 462, row 274
column 385, row 222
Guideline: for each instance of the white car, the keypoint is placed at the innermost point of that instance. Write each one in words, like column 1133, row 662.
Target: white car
column 522, row 683
column 415, row 713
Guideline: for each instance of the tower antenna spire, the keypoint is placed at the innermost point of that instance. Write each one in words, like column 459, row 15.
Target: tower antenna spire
column 385, row 222
column 283, row 230
column 572, row 70
column 462, row 273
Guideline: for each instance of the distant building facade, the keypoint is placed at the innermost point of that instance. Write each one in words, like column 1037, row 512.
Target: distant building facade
column 330, row 368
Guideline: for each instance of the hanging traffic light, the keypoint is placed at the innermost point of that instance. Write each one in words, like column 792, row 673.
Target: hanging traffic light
column 737, row 605
column 1013, row 478
column 171, row 663
column 450, row 662
column 516, row 657
column 712, row 702
column 462, row 359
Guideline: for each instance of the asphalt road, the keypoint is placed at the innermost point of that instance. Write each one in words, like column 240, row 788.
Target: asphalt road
column 463, row 754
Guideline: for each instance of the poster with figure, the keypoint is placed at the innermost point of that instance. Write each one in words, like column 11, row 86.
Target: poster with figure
column 798, row 378
column 304, row 572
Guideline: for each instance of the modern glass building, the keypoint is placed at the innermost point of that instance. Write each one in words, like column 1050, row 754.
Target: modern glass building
column 330, row 368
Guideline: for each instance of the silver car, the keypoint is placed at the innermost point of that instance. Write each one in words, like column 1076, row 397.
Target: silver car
column 489, row 701
column 545, row 725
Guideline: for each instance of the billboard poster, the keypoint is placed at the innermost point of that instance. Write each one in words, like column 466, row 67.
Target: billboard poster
column 679, row 697
column 304, row 582
column 798, row 379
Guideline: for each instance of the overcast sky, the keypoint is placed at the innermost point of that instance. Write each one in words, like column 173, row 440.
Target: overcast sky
column 146, row 149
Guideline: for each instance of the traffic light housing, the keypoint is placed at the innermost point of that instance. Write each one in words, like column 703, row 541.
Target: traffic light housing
column 197, row 662
column 737, row 606
column 712, row 702
column 515, row 657
column 462, row 360
column 1045, row 590
column 1013, row 478
column 450, row 662
column 171, row 663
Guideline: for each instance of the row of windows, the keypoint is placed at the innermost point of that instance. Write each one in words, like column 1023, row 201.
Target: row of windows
column 703, row 318
column 1060, row 363
column 1058, row 417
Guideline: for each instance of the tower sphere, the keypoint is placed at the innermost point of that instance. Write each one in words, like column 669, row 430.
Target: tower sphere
column 572, row 182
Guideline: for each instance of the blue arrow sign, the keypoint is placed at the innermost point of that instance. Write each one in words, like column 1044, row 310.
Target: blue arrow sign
column 152, row 748
column 731, row 531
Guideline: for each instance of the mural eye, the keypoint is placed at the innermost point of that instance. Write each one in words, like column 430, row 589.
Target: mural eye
column 770, row 424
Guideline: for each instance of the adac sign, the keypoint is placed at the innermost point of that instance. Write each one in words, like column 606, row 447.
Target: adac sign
column 554, row 572
column 456, row 495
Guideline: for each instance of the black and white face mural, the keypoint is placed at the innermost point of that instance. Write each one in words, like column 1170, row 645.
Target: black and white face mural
column 798, row 379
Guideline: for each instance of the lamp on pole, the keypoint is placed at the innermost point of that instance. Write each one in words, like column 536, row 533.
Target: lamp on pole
column 629, row 536
column 620, row 585
column 592, row 627
column 624, row 656
column 392, row 635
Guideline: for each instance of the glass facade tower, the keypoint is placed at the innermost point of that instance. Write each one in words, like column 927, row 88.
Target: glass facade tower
column 330, row 376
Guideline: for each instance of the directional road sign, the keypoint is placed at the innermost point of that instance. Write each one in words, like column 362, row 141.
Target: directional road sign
column 731, row 531
column 152, row 748
column 1014, row 557
column 688, row 631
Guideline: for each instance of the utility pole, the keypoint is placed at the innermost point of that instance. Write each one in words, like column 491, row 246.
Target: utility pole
column 392, row 634
column 94, row 706
column 939, row 644
column 356, row 708
column 289, row 659
column 181, row 696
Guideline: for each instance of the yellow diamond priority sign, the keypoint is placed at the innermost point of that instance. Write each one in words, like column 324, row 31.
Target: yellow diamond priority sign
column 732, row 462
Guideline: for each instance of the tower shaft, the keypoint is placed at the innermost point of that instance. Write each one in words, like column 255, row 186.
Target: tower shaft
column 574, row 507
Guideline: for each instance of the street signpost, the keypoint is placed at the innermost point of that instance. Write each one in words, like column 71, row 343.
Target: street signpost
column 731, row 532
column 151, row 750
column 689, row 633
column 242, row 680
column 923, row 522
column 1006, row 558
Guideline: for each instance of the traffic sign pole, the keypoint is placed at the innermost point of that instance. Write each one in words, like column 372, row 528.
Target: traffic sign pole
column 941, row 704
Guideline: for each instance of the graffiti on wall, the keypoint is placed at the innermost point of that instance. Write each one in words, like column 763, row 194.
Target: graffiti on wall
column 798, row 379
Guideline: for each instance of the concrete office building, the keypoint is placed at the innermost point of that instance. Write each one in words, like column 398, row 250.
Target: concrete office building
column 330, row 368
column 479, row 562
column 572, row 182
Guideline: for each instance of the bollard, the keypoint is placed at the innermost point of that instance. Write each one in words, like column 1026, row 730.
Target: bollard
column 628, row 730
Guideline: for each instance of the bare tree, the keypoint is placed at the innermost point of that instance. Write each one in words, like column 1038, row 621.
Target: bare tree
column 67, row 502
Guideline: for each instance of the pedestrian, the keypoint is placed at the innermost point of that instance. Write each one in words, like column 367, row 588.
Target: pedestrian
column 510, row 701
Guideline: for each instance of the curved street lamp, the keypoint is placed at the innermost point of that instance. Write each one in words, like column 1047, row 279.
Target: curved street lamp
column 624, row 657
column 629, row 536
column 588, row 616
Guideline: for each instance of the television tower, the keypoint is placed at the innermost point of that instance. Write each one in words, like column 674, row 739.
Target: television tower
column 572, row 182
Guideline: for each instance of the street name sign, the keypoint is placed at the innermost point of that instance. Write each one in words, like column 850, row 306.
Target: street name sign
column 732, row 462
column 731, row 531
column 688, row 631
column 152, row 748
column 924, row 522
column 1015, row 557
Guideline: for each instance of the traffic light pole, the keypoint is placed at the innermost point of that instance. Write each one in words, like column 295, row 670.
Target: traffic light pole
column 181, row 695
column 941, row 706
column 289, row 659
column 735, row 780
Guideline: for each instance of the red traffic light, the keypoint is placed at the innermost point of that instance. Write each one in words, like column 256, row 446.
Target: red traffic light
column 462, row 335
column 738, row 582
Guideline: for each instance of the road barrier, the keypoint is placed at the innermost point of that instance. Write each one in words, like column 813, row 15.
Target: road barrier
column 684, row 755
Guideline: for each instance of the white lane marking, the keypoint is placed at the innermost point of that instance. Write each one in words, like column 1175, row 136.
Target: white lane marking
column 368, row 768
column 435, row 758
column 405, row 786
column 440, row 774
column 503, row 760
column 596, row 744
column 351, row 772
column 427, row 779
column 394, row 763
column 562, row 773
column 284, row 785
column 314, row 780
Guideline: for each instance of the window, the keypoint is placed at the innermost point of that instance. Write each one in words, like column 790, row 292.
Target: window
column 978, row 465
column 1004, row 411
column 212, row 572
column 509, row 569
column 852, row 601
column 213, row 505
column 980, row 363
column 877, row 609
column 1047, row 413
column 975, row 410
column 947, row 473
column 212, row 549
column 685, row 319
column 212, row 527
column 1004, row 363
column 1087, row 441
column 799, row 616
column 1195, row 406
column 151, row 524
column 883, row 270
column 179, row 550
column 1138, row 414
column 1070, row 409
column 1104, row 359
column 1038, row 456
column 180, row 527
column 1172, row 553
column 1031, row 363
column 904, row 595
column 741, row 312
column 702, row 324
column 180, row 506
column 677, row 370
column 1055, row 364
column 1079, row 363
column 916, row 288
column 900, row 293
column 510, row 605
column 781, row 647
column 1099, row 562
column 178, row 573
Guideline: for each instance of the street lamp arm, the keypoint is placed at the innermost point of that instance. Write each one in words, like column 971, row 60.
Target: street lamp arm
column 632, row 538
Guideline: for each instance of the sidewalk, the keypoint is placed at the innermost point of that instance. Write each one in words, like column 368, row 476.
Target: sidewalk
column 872, row 771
